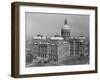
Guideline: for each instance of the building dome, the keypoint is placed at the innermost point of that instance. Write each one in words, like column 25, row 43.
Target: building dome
column 39, row 37
column 66, row 27
column 36, row 37
column 82, row 37
column 56, row 37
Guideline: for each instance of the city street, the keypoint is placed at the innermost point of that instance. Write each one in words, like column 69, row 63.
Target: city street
column 70, row 60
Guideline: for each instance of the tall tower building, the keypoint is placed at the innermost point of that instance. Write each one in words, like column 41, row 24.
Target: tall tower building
column 65, row 31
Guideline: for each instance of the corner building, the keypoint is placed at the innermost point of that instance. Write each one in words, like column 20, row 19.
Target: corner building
column 54, row 48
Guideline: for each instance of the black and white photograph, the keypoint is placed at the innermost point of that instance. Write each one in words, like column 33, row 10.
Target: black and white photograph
column 56, row 39
column 52, row 39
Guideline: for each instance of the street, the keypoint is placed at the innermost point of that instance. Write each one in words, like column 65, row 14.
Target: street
column 69, row 60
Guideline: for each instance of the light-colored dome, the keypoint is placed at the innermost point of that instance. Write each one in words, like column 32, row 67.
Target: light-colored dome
column 37, row 37
column 66, row 27
column 56, row 38
column 82, row 37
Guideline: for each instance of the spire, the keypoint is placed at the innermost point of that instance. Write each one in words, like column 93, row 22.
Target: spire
column 65, row 21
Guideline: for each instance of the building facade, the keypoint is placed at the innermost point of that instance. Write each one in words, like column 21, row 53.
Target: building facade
column 78, row 46
column 53, row 49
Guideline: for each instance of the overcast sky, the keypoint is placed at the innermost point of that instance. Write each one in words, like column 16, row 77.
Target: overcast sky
column 50, row 24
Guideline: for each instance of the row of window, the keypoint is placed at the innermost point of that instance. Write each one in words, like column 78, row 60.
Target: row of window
column 49, row 56
column 53, row 56
column 43, row 55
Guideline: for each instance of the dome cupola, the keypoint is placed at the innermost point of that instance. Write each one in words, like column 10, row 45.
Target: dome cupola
column 40, row 36
column 66, row 26
column 65, row 31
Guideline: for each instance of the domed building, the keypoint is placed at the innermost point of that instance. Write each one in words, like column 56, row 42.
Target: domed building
column 55, row 48
column 65, row 31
